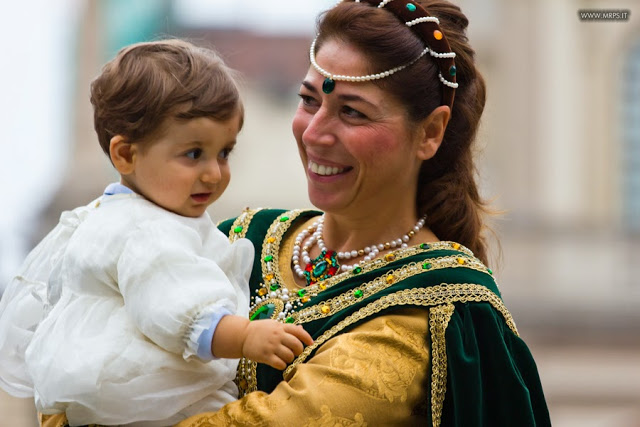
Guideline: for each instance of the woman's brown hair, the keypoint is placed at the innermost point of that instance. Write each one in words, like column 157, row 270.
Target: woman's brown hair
column 447, row 190
column 148, row 82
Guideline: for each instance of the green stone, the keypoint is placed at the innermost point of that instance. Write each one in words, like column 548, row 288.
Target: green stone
column 426, row 266
column 263, row 312
column 268, row 258
column 424, row 246
column 290, row 319
column 301, row 292
column 320, row 268
column 357, row 270
column 237, row 229
column 284, row 218
column 452, row 70
column 274, row 287
column 490, row 271
column 358, row 293
column 411, row 7
column 328, row 85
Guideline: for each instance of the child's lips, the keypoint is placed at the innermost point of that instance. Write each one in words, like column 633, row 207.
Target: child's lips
column 200, row 197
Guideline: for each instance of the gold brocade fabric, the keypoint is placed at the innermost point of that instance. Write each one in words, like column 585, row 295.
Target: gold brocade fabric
column 371, row 375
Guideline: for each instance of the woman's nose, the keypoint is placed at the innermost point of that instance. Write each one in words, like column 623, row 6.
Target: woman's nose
column 320, row 129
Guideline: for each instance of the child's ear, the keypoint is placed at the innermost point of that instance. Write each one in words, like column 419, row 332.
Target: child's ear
column 433, row 128
column 123, row 155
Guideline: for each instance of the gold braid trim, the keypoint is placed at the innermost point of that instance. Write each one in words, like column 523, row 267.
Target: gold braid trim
column 242, row 224
column 434, row 295
column 333, row 305
column 438, row 321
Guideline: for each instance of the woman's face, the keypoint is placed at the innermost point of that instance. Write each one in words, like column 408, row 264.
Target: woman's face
column 356, row 143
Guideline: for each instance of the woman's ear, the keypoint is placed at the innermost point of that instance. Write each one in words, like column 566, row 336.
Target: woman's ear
column 432, row 132
column 123, row 155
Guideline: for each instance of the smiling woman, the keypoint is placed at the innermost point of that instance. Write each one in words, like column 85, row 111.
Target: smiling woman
column 390, row 277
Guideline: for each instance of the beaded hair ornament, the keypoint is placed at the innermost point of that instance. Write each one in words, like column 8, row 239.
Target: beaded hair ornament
column 426, row 27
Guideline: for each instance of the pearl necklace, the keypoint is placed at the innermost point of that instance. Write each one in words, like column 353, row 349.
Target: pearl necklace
column 313, row 234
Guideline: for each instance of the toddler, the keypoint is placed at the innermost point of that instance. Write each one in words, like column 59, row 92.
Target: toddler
column 133, row 310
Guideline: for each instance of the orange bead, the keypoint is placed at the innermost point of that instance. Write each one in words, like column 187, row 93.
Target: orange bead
column 268, row 277
column 325, row 309
column 390, row 279
column 456, row 246
column 262, row 292
column 271, row 239
column 437, row 34
column 389, row 257
column 461, row 261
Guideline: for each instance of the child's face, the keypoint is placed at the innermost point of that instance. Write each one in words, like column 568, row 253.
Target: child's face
column 186, row 168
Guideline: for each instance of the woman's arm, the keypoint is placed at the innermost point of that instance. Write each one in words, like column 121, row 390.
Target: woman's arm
column 372, row 374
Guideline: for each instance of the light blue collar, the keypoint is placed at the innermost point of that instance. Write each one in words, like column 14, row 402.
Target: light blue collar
column 116, row 188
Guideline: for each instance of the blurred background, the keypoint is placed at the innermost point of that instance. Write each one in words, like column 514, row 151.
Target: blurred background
column 559, row 153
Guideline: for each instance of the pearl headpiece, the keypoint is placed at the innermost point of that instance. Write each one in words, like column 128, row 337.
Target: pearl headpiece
column 427, row 27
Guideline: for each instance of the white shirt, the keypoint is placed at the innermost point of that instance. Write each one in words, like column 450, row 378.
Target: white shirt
column 128, row 284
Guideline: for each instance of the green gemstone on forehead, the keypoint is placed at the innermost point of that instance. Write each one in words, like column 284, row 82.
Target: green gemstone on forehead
column 328, row 85
column 237, row 229
column 411, row 7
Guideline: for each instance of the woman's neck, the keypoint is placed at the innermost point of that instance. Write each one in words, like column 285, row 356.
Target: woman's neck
column 354, row 232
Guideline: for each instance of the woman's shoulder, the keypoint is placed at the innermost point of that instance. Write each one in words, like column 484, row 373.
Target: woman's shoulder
column 258, row 220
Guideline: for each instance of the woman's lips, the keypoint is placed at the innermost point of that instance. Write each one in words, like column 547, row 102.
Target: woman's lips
column 326, row 170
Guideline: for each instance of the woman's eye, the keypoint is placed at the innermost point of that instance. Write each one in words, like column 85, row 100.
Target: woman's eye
column 307, row 100
column 194, row 154
column 353, row 113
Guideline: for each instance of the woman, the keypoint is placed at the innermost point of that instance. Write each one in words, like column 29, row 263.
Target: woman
column 385, row 128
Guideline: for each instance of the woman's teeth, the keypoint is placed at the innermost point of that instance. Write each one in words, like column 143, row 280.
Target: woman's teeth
column 325, row 170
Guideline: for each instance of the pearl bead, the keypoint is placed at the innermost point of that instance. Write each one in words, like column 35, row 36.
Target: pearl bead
column 354, row 254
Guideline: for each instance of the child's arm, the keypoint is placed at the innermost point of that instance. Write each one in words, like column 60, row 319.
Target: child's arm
column 263, row 341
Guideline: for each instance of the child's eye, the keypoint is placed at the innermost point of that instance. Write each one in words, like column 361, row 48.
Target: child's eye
column 224, row 154
column 194, row 154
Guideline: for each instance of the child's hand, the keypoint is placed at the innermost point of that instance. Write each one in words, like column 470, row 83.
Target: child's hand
column 274, row 343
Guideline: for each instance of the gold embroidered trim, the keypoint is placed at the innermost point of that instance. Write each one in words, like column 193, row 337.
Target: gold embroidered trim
column 434, row 295
column 438, row 321
column 329, row 307
column 243, row 222
column 271, row 244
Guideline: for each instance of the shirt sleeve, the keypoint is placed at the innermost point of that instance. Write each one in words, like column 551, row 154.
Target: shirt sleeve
column 168, row 284
column 202, row 340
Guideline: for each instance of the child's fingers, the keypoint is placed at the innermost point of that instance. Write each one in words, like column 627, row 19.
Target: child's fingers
column 285, row 354
column 299, row 332
column 275, row 362
column 293, row 343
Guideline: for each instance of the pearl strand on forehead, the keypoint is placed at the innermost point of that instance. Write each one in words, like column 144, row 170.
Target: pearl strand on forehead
column 312, row 234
